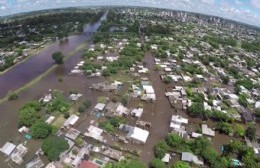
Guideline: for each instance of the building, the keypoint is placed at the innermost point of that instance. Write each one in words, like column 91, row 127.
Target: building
column 100, row 107
column 137, row 112
column 189, row 157
column 18, row 153
column 95, row 133
column 87, row 164
column 70, row 121
column 36, row 163
column 138, row 135
column 8, row 148
column 207, row 131
column 72, row 134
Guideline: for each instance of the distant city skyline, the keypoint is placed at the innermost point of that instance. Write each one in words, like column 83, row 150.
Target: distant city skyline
column 247, row 11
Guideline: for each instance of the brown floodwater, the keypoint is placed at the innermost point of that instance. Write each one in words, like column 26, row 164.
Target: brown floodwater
column 27, row 71
column 23, row 73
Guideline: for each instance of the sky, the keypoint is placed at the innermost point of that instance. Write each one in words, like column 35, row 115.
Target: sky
column 247, row 11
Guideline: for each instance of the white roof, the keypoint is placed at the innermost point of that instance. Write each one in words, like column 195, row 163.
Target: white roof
column 50, row 119
column 138, row 112
column 8, row 148
column 233, row 96
column 207, row 131
column 71, row 120
column 94, row 132
column 139, row 134
column 100, row 106
column 50, row 165
column 195, row 135
column 174, row 125
column 166, row 158
column 179, row 119
column 148, row 89
column 257, row 104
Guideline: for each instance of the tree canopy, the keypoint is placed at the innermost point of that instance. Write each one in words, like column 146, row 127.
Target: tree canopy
column 53, row 146
column 41, row 130
column 58, row 57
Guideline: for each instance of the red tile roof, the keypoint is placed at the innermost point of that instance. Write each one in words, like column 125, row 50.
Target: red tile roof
column 87, row 164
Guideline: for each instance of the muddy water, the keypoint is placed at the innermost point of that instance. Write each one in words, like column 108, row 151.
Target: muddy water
column 23, row 73
column 36, row 65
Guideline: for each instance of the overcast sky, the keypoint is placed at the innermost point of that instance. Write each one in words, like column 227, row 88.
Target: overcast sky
column 247, row 11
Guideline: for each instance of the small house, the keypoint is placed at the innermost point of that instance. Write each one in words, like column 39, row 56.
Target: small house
column 138, row 135
column 189, row 157
column 207, row 131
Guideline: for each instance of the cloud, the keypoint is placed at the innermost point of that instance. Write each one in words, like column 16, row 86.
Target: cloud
column 255, row 3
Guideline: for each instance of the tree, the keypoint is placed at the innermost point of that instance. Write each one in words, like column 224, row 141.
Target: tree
column 79, row 142
column 167, row 79
column 81, row 109
column 28, row 116
column 196, row 109
column 257, row 112
column 12, row 96
column 53, row 146
column 40, row 130
column 251, row 132
column 239, row 130
column 180, row 164
column 58, row 57
column 173, row 140
column 160, row 149
column 225, row 128
column 243, row 100
column 157, row 163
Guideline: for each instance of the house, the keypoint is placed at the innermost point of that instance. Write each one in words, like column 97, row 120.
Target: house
column 75, row 97
column 195, row 135
column 8, row 148
column 47, row 98
column 257, row 104
column 36, row 163
column 166, row 158
column 95, row 133
column 179, row 119
column 138, row 135
column 72, row 134
column 87, row 164
column 50, row 165
column 189, row 157
column 18, row 153
column 233, row 97
column 207, row 131
column 50, row 119
column 121, row 110
column 70, row 121
column 137, row 112
column 113, row 154
column 100, row 107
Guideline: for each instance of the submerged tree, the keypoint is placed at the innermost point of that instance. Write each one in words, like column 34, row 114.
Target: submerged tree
column 58, row 57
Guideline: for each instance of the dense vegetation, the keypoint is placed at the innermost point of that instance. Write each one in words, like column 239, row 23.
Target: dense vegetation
column 53, row 146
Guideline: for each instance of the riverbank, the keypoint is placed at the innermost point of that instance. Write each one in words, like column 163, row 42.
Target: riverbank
column 25, row 59
column 38, row 78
